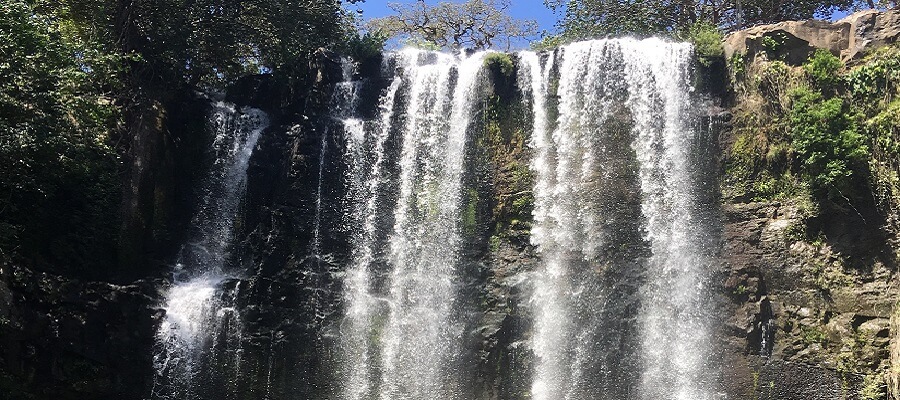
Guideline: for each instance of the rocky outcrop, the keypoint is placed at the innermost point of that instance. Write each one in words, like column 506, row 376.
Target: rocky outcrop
column 794, row 41
column 801, row 309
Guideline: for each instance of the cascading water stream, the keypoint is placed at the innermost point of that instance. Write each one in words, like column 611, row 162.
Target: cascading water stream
column 676, row 338
column 399, row 341
column 367, row 176
column 198, row 314
column 624, row 125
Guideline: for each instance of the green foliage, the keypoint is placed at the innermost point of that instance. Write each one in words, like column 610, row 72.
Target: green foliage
column 59, row 170
column 773, row 82
column 737, row 64
column 770, row 44
column 584, row 19
column 812, row 335
column 707, row 40
column 212, row 42
column 825, row 129
column 823, row 68
column 873, row 388
column 358, row 42
column 877, row 80
column 502, row 61
column 364, row 46
column 825, row 136
column 883, row 131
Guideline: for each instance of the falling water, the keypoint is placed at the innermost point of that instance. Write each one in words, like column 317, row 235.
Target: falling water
column 198, row 314
column 583, row 171
column 676, row 340
column 420, row 338
column 367, row 158
column 399, row 341
column 616, row 302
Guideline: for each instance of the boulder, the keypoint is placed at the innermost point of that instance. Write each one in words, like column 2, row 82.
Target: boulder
column 794, row 41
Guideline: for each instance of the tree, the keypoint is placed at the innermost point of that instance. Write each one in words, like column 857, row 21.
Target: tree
column 58, row 170
column 476, row 24
column 597, row 18
column 207, row 41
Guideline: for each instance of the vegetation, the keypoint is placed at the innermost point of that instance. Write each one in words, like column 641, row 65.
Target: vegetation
column 502, row 61
column 819, row 129
column 475, row 24
column 78, row 77
column 57, row 130
column 707, row 41
column 825, row 137
column 598, row 18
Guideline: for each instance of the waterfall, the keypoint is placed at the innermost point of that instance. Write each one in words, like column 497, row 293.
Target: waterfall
column 613, row 306
column 399, row 337
column 675, row 334
column 200, row 316
column 366, row 157
column 614, row 183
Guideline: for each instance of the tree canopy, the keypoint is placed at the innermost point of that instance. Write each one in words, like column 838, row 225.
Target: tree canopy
column 208, row 40
column 72, row 71
column 596, row 18
column 476, row 24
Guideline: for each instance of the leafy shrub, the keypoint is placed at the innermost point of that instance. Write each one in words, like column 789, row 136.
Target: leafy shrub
column 877, row 80
column 364, row 46
column 707, row 41
column 60, row 186
column 769, row 44
column 827, row 141
column 737, row 64
column 822, row 68
column 883, row 131
column 501, row 61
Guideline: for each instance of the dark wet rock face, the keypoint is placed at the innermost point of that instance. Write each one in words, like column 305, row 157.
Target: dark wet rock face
column 66, row 339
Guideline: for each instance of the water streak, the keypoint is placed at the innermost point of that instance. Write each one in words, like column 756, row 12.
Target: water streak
column 198, row 313
column 398, row 340
column 588, row 239
column 419, row 338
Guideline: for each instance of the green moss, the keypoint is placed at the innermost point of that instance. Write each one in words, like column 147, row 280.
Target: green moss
column 503, row 141
column 812, row 335
column 494, row 243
